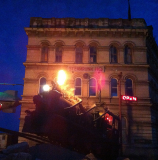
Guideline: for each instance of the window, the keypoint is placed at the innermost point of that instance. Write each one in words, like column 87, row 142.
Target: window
column 3, row 137
column 128, row 87
column 78, row 86
column 92, row 87
column 44, row 54
column 93, row 54
column 42, row 83
column 127, row 55
column 79, row 53
column 113, row 54
column 113, row 87
column 58, row 54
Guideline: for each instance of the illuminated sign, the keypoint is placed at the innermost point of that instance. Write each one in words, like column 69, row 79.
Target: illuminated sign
column 129, row 98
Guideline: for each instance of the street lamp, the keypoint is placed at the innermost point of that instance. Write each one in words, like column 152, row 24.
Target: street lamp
column 46, row 88
column 120, row 109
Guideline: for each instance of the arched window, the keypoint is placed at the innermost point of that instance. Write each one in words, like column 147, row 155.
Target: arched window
column 92, row 87
column 44, row 54
column 78, row 86
column 42, row 82
column 128, row 87
column 93, row 54
column 113, row 87
column 79, row 53
column 58, row 54
column 113, row 54
column 127, row 55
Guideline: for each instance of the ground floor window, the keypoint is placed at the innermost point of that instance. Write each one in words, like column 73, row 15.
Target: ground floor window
column 42, row 82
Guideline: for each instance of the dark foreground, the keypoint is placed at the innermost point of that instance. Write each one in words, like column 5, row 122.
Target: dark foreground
column 22, row 151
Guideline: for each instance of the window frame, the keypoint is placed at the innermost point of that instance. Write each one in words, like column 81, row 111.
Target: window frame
column 44, row 54
column 58, row 56
column 78, row 55
column 126, row 56
column 78, row 87
column 40, row 90
column 115, row 55
column 95, row 87
column 93, row 55
column 128, row 88
column 115, row 87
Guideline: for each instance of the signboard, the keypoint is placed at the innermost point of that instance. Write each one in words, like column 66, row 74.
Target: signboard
column 129, row 98
column 86, row 69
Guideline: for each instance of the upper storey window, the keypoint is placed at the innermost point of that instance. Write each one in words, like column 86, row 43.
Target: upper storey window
column 128, row 87
column 127, row 55
column 58, row 54
column 113, row 54
column 93, row 54
column 44, row 54
column 79, row 54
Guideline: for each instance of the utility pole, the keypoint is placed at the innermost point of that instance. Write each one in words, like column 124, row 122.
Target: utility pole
column 120, row 110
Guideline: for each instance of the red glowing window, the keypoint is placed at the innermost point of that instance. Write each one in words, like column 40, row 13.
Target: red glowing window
column 129, row 98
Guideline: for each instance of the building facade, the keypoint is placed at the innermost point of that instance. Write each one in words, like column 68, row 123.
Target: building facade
column 93, row 52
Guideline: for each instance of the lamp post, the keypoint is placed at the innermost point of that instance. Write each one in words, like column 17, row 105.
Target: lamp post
column 120, row 110
column 99, row 88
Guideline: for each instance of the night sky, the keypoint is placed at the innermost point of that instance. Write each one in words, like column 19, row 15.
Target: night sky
column 16, row 14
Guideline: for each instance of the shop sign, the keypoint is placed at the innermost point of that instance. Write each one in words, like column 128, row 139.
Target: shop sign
column 129, row 98
column 86, row 69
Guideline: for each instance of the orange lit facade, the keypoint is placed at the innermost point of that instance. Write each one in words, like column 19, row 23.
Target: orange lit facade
column 93, row 52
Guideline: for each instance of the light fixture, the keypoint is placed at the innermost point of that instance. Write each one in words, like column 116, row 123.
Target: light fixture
column 46, row 88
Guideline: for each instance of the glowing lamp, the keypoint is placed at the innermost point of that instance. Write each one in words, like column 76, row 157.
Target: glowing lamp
column 0, row 105
column 46, row 88
column 61, row 77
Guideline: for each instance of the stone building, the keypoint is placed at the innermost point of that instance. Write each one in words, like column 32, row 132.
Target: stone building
column 93, row 52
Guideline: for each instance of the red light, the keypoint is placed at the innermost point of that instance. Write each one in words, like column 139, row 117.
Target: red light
column 0, row 105
column 130, row 98
column 106, row 118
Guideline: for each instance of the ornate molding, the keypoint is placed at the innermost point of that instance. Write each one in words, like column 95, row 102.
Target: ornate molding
column 82, row 32
column 38, row 22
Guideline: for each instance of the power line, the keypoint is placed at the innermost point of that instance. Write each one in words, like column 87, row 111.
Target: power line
column 10, row 84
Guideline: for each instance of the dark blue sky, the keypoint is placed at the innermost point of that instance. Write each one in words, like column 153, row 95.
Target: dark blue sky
column 15, row 15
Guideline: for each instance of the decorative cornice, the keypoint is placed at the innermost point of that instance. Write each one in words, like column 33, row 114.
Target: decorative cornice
column 86, row 64
column 38, row 22
column 86, row 32
column 72, row 27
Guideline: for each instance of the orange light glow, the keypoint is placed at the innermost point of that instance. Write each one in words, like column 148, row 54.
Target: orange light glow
column 61, row 77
